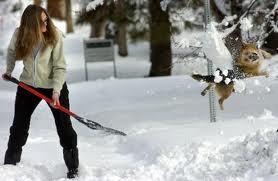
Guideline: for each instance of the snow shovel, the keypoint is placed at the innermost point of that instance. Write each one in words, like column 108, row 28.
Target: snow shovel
column 91, row 124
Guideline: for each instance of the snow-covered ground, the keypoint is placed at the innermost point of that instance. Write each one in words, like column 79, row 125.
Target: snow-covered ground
column 167, row 122
column 169, row 133
column 169, row 137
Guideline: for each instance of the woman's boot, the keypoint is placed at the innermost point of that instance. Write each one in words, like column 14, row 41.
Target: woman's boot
column 12, row 157
column 72, row 162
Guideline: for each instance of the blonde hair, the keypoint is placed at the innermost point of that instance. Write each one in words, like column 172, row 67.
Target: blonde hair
column 30, row 34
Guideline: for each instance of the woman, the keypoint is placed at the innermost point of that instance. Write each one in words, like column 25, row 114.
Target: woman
column 39, row 44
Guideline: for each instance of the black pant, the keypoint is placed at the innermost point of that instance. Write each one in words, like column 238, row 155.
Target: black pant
column 25, row 105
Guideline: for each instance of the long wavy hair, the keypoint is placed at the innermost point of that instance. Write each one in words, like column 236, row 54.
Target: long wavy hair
column 30, row 34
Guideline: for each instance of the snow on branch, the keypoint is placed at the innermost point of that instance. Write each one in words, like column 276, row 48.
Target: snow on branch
column 164, row 4
column 272, row 14
column 215, row 48
column 95, row 3
column 269, row 19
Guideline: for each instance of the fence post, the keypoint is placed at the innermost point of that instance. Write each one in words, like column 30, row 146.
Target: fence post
column 210, row 71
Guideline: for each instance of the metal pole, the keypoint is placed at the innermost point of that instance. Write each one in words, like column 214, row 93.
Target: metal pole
column 115, row 70
column 86, row 71
column 85, row 60
column 114, row 60
column 210, row 72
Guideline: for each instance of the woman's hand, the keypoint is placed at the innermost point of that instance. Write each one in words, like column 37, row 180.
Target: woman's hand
column 55, row 99
column 4, row 75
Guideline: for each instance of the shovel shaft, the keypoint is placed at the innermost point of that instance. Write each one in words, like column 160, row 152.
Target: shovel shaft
column 91, row 124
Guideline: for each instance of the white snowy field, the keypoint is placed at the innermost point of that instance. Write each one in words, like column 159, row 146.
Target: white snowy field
column 169, row 133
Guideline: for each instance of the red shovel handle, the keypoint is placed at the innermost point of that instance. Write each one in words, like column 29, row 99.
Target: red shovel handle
column 33, row 91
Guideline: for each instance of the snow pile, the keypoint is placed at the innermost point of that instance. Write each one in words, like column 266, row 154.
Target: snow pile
column 215, row 49
column 252, row 157
column 24, row 173
column 245, row 158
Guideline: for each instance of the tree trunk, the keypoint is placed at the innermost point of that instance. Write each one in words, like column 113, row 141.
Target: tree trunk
column 98, row 29
column 69, row 17
column 37, row 2
column 98, row 20
column 57, row 9
column 92, row 32
column 160, row 44
column 120, row 11
column 122, row 41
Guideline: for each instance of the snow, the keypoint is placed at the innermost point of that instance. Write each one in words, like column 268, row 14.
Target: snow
column 215, row 49
column 224, row 6
column 169, row 137
column 239, row 85
column 273, row 23
column 92, row 5
column 218, row 78
column 169, row 134
column 245, row 24
column 8, row 21
column 164, row 4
